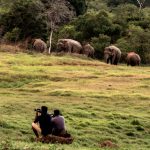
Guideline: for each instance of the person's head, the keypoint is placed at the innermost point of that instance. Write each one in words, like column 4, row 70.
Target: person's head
column 44, row 110
column 56, row 112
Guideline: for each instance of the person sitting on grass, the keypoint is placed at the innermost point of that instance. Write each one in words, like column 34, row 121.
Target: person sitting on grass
column 58, row 122
column 42, row 123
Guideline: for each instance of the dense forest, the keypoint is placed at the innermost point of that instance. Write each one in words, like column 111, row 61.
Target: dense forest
column 125, row 23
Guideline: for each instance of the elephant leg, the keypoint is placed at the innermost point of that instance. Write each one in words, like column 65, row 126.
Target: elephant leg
column 69, row 49
column 92, row 55
column 115, row 62
column 113, row 59
column 108, row 61
column 128, row 63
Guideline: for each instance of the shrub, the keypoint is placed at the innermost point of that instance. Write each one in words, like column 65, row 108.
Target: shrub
column 12, row 36
column 99, row 44
column 25, row 16
column 79, row 5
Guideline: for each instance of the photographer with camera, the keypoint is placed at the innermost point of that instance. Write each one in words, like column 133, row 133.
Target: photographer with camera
column 42, row 123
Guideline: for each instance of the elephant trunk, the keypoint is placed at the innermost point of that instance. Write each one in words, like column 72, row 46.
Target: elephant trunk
column 106, row 58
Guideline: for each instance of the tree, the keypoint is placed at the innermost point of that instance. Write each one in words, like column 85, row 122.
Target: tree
column 53, row 17
column 79, row 5
column 141, row 3
column 58, row 13
column 26, row 16
column 99, row 43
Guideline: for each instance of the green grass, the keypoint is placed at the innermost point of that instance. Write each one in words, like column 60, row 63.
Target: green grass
column 99, row 101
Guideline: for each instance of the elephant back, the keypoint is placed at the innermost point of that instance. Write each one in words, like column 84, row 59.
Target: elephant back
column 76, row 46
column 69, row 45
column 133, row 59
column 117, row 50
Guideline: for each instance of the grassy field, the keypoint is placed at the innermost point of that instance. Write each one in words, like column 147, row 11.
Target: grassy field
column 99, row 102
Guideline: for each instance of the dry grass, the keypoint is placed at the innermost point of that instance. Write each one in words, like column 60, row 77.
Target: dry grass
column 11, row 48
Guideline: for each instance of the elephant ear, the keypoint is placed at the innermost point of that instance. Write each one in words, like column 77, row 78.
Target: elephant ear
column 110, row 51
column 106, row 50
column 66, row 44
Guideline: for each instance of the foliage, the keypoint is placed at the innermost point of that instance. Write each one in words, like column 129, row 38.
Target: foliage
column 12, row 36
column 69, row 31
column 99, row 43
column 141, row 42
column 96, row 5
column 137, row 40
column 79, row 5
column 25, row 15
column 114, row 3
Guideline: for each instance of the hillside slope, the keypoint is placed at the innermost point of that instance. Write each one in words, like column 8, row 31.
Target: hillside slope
column 100, row 102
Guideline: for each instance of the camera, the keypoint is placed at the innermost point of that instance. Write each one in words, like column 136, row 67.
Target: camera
column 38, row 110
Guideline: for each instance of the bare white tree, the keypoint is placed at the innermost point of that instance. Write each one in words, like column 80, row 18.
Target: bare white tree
column 59, row 12
column 141, row 3
column 53, row 18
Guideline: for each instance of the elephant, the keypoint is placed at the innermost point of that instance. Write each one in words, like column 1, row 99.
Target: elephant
column 88, row 50
column 39, row 45
column 69, row 45
column 112, row 54
column 133, row 59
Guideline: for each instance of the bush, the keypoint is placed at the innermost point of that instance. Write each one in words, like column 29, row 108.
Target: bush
column 99, row 44
column 79, row 5
column 70, row 32
column 25, row 16
column 12, row 36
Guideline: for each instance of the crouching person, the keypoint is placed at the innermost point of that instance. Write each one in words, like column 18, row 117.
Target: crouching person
column 58, row 122
column 42, row 124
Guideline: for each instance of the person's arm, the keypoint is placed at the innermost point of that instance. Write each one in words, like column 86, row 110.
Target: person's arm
column 36, row 118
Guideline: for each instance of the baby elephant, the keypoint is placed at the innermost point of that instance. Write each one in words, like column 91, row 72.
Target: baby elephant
column 39, row 45
column 88, row 50
column 133, row 59
column 69, row 45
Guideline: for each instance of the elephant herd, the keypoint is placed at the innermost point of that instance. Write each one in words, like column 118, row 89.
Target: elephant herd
column 112, row 54
column 72, row 46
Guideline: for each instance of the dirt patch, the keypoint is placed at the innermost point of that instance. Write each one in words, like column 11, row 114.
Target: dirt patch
column 108, row 144
column 55, row 139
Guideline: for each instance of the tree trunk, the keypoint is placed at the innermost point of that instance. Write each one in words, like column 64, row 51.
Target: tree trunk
column 50, row 41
